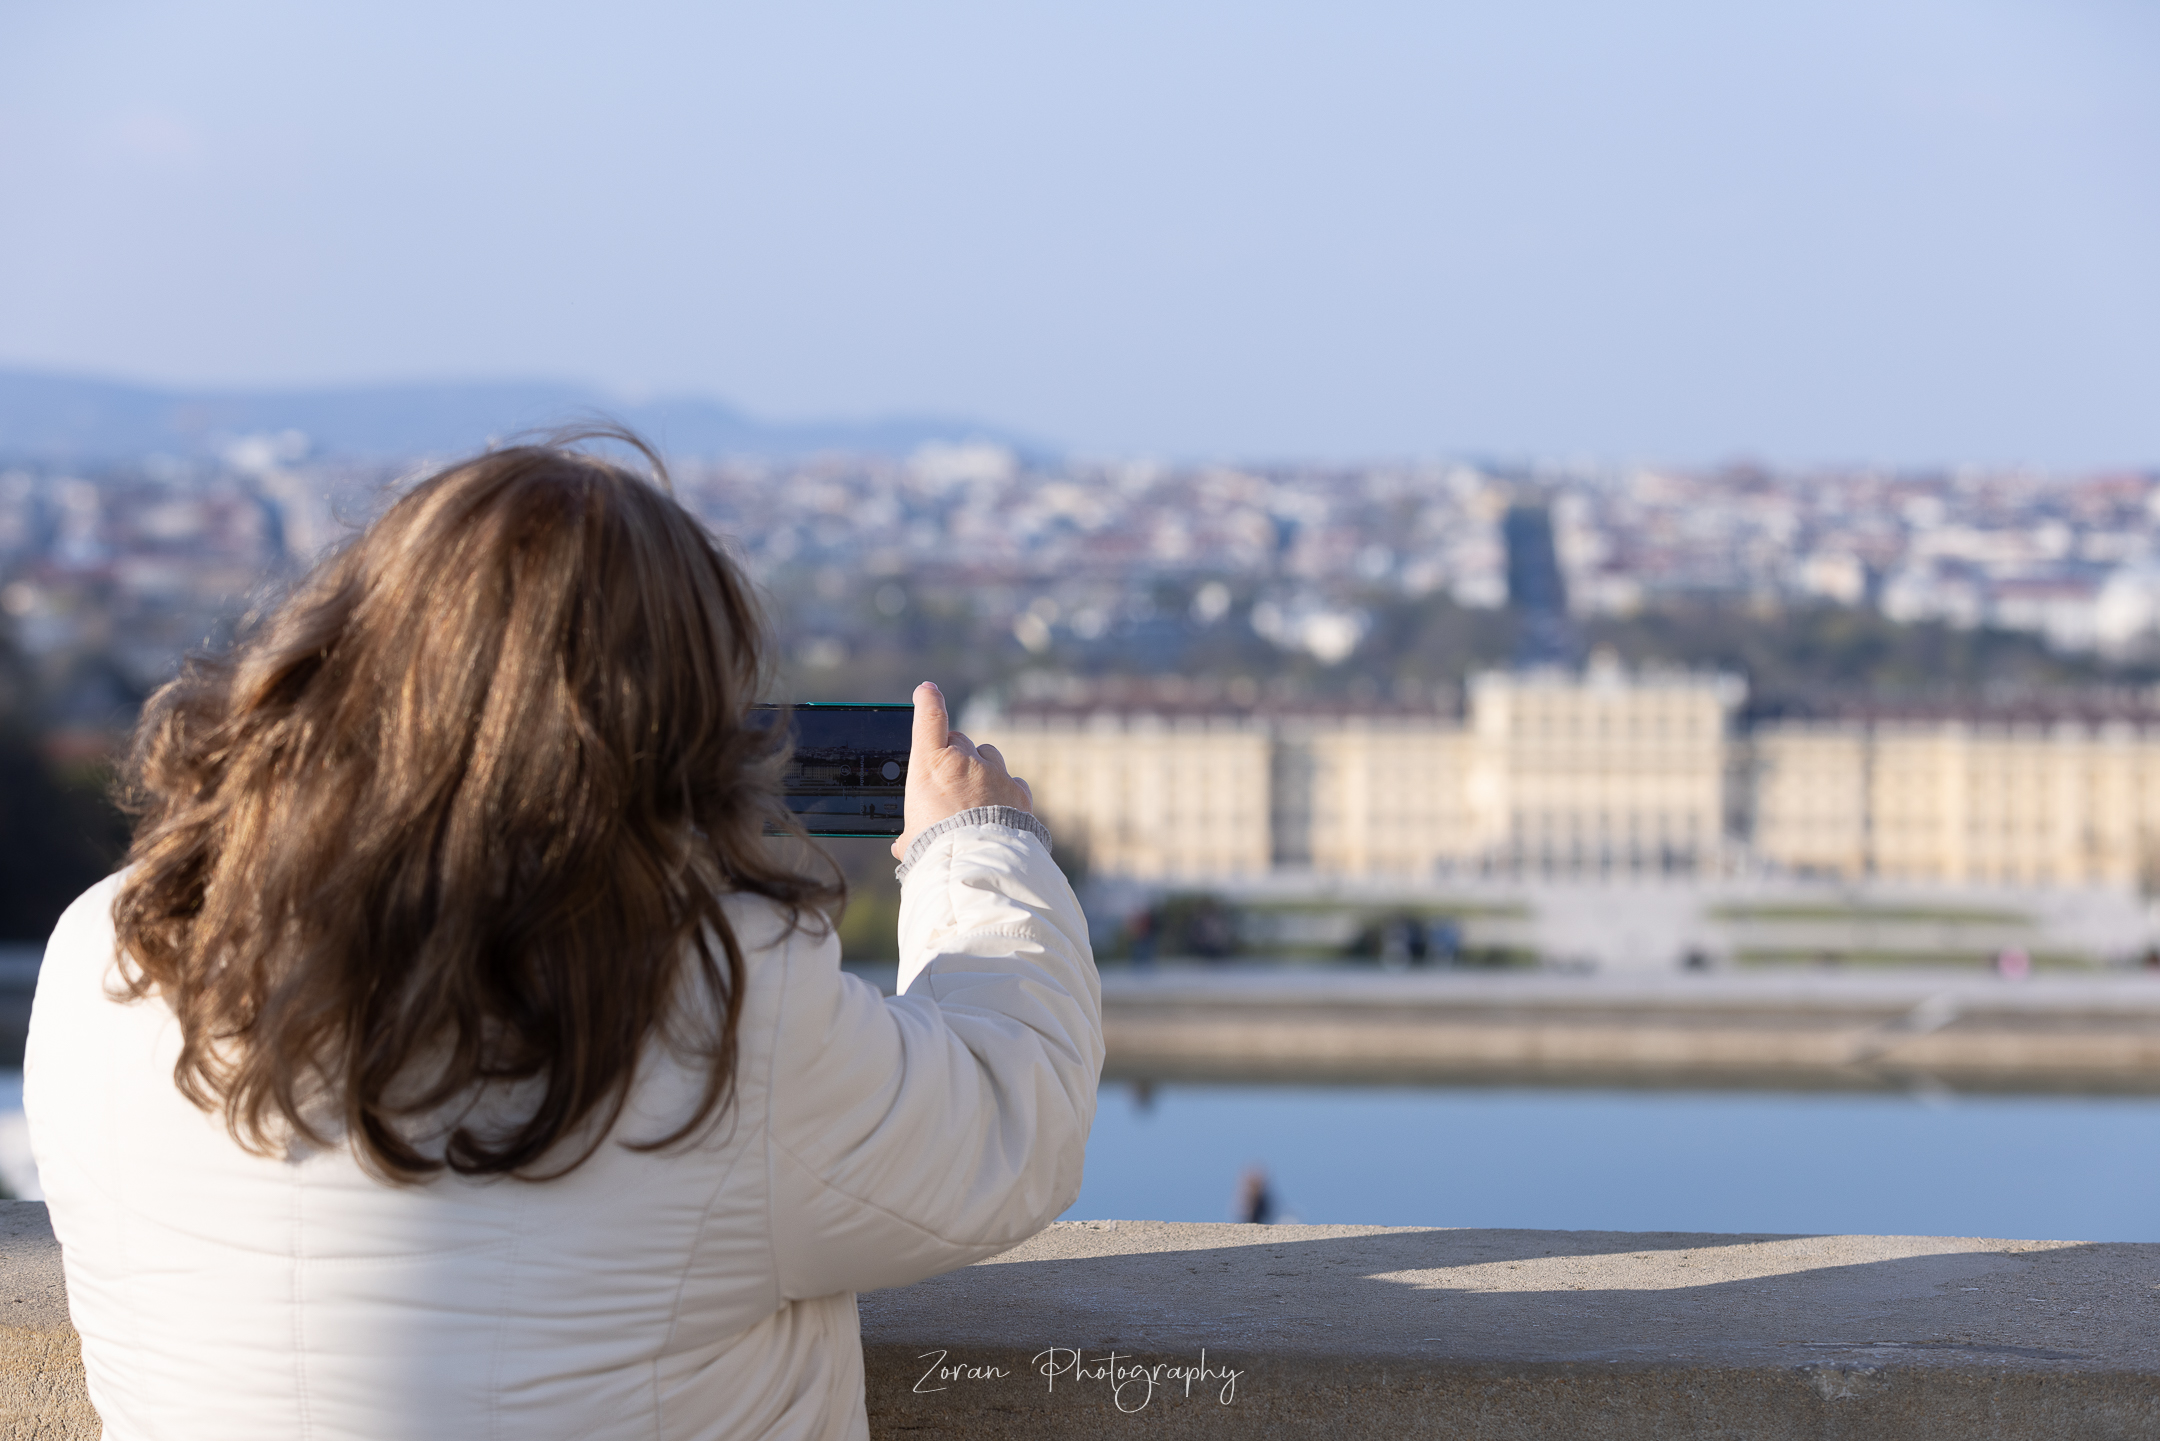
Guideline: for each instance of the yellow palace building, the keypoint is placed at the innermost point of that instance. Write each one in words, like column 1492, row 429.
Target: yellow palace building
column 1549, row 771
column 1602, row 772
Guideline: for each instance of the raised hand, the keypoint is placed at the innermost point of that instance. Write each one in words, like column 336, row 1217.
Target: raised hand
column 948, row 773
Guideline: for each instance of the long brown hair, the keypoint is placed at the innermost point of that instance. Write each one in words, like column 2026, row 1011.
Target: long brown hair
column 450, row 821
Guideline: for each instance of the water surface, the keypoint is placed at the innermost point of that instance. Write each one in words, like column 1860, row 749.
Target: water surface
column 2083, row 1168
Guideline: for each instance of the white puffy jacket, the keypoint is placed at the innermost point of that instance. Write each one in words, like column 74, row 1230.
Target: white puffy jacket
column 699, row 1293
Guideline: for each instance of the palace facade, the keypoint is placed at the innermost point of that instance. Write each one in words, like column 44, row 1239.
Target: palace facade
column 1596, row 772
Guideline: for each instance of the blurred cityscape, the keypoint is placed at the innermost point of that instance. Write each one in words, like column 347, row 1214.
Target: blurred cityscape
column 1295, row 579
column 1242, row 598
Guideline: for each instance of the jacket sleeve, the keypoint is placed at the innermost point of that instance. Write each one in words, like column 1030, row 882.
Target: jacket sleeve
column 913, row 1134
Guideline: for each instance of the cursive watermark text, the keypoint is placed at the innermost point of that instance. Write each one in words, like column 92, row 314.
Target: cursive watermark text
column 1133, row 1383
column 945, row 1374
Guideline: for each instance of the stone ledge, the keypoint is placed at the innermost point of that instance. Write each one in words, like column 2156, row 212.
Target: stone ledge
column 41, row 1376
column 1370, row 1332
column 1361, row 1331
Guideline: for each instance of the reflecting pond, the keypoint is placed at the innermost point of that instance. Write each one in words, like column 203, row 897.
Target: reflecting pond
column 2057, row 1167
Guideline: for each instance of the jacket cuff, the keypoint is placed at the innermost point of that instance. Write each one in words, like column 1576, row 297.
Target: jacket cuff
column 1009, row 816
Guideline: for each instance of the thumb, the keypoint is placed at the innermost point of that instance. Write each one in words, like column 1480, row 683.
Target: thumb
column 932, row 724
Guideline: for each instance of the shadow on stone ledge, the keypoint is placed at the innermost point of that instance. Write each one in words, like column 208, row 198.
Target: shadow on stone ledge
column 1363, row 1332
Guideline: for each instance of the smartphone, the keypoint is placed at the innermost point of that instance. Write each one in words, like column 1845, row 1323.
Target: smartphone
column 847, row 775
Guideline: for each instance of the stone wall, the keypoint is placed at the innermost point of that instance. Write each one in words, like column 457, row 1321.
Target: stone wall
column 1350, row 1331
column 1835, row 1030
column 1106, row 1328
column 41, row 1375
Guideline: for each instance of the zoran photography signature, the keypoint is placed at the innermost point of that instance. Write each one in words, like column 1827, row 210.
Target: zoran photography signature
column 1132, row 1383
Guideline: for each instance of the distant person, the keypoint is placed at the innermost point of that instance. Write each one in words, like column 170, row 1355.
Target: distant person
column 1444, row 938
column 457, row 1057
column 1208, row 931
column 1396, row 947
column 1255, row 1201
column 1140, row 927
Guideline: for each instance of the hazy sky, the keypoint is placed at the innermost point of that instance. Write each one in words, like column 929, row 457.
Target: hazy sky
column 1686, row 230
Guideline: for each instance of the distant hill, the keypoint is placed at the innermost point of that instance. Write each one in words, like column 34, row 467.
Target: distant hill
column 78, row 420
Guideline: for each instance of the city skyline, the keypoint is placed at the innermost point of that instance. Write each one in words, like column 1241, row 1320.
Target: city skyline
column 1010, row 570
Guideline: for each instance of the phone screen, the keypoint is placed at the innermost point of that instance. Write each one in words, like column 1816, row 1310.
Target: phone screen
column 847, row 775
